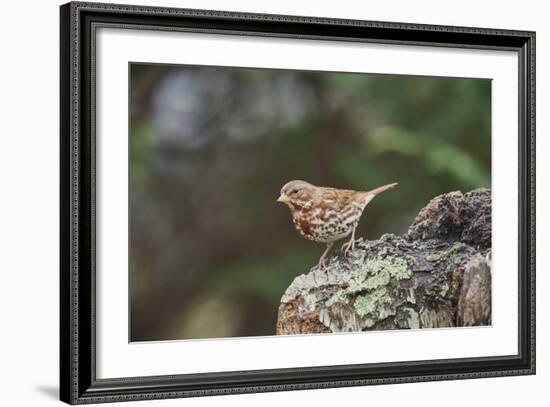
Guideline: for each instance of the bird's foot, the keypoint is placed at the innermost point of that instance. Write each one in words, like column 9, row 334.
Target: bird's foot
column 322, row 263
column 348, row 247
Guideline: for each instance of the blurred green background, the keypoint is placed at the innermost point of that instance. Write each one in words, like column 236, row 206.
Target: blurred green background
column 211, row 250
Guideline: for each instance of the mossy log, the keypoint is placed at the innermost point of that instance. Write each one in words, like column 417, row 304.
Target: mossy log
column 436, row 275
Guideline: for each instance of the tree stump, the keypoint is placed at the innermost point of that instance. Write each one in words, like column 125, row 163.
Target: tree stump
column 436, row 275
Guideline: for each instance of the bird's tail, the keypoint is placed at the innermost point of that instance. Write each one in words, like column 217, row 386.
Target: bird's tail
column 378, row 190
column 365, row 197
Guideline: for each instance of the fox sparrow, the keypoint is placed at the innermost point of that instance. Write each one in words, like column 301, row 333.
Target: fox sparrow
column 325, row 214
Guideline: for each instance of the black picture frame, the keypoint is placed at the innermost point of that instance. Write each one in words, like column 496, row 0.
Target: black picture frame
column 78, row 382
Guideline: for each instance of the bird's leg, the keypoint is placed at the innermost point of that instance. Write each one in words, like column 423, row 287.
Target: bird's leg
column 349, row 245
column 322, row 260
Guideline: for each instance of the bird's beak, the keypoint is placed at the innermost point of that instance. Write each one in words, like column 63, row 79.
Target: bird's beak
column 283, row 198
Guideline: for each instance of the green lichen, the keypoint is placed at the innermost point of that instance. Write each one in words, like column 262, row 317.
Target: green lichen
column 357, row 282
column 369, row 303
column 437, row 292
column 396, row 267
column 382, row 278
column 457, row 248
column 435, row 256
column 371, row 274
column 333, row 264
column 400, row 270
column 361, row 272
column 370, row 283
column 340, row 296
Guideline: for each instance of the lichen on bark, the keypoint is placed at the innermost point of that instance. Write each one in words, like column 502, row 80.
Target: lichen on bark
column 436, row 275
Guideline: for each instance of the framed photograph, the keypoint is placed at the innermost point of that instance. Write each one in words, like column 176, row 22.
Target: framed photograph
column 255, row 203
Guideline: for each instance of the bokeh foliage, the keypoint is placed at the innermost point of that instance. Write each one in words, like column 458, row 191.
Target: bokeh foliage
column 210, row 147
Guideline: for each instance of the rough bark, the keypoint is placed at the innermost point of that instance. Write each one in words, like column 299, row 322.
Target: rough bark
column 436, row 275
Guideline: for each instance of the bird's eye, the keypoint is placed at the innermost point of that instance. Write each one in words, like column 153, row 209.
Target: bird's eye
column 295, row 191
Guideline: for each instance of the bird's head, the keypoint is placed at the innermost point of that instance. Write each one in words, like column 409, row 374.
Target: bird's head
column 296, row 193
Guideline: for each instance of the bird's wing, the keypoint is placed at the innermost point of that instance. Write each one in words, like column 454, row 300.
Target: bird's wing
column 337, row 199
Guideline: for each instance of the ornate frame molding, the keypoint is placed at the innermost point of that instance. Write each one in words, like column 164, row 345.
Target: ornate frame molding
column 78, row 380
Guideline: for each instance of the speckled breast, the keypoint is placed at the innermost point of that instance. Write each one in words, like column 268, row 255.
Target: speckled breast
column 325, row 224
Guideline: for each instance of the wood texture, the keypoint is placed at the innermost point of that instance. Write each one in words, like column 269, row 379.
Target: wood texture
column 437, row 275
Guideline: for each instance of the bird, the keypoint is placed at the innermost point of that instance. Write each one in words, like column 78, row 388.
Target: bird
column 325, row 214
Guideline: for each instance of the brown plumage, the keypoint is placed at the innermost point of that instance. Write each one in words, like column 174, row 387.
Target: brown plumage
column 324, row 214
